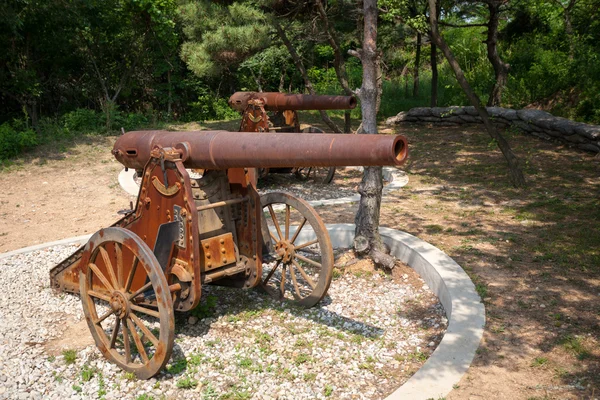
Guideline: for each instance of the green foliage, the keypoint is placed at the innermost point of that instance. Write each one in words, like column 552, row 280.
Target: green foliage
column 221, row 37
column 82, row 120
column 13, row 142
column 205, row 309
column 187, row 383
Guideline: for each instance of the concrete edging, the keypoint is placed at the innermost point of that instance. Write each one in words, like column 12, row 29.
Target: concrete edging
column 464, row 310
column 463, row 306
column 396, row 177
column 72, row 240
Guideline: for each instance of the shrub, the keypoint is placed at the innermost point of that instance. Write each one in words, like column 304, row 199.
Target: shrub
column 13, row 142
column 82, row 120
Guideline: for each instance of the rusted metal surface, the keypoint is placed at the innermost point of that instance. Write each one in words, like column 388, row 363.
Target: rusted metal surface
column 218, row 251
column 223, row 150
column 274, row 101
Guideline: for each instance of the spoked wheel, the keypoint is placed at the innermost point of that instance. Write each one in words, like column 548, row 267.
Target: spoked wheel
column 318, row 174
column 302, row 258
column 127, row 302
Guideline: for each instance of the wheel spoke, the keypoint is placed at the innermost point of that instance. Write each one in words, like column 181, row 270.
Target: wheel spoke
column 144, row 329
column 126, row 343
column 304, row 275
column 282, row 283
column 271, row 273
column 300, row 246
column 131, row 273
column 273, row 237
column 145, row 310
column 293, row 274
column 104, row 316
column 308, row 260
column 298, row 231
column 287, row 221
column 109, row 266
column 140, row 290
column 119, row 255
column 137, row 341
column 100, row 276
column 274, row 218
column 115, row 332
column 98, row 295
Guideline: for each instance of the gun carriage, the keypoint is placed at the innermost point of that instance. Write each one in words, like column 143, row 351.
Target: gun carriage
column 199, row 220
column 283, row 108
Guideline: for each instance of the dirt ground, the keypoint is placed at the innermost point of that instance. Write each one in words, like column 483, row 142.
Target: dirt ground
column 533, row 253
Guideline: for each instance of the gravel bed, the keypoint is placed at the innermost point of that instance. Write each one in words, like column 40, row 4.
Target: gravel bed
column 364, row 340
column 345, row 183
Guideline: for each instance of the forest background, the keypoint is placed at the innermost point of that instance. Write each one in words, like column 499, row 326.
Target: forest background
column 72, row 67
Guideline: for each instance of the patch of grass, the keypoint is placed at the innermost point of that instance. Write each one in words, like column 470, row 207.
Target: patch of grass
column 245, row 362
column 301, row 359
column 130, row 376
column 337, row 274
column 187, row 383
column 77, row 388
column 144, row 396
column 482, row 290
column 205, row 309
column 539, row 361
column 177, row 366
column 70, row 356
column 87, row 373
column 309, row 377
column 574, row 346
column 51, row 358
column 433, row 229
column 328, row 390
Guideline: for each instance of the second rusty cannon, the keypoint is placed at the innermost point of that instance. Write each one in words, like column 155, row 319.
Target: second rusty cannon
column 198, row 220
column 278, row 112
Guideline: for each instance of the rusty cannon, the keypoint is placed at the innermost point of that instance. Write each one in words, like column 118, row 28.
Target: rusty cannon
column 277, row 112
column 199, row 220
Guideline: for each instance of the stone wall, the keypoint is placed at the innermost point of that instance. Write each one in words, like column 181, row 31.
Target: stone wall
column 534, row 122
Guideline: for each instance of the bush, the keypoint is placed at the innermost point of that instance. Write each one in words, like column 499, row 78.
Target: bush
column 82, row 120
column 13, row 142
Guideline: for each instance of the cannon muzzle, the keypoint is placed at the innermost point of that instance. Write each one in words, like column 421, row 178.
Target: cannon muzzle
column 223, row 149
column 274, row 101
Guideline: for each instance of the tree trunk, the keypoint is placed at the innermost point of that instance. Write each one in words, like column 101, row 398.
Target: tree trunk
column 434, row 66
column 516, row 174
column 434, row 76
column 416, row 67
column 500, row 67
column 367, row 239
column 307, row 82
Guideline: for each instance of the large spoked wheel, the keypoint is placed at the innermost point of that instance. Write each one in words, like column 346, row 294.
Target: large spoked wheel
column 127, row 302
column 317, row 174
column 301, row 263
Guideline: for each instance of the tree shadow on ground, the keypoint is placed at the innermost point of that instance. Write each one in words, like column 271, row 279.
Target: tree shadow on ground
column 533, row 253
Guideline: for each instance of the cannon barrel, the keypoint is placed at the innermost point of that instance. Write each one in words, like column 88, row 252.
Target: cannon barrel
column 274, row 101
column 223, row 149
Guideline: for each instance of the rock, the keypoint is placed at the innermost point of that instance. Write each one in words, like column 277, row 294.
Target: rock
column 420, row 112
column 530, row 116
column 470, row 119
column 192, row 320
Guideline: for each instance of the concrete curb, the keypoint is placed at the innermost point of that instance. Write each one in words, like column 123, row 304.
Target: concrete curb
column 396, row 177
column 72, row 240
column 465, row 312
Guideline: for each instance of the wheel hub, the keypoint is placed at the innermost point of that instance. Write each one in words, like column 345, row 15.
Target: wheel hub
column 119, row 304
column 285, row 250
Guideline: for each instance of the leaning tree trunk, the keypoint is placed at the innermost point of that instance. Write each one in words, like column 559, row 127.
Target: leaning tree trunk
column 416, row 68
column 516, row 174
column 500, row 67
column 307, row 82
column 434, row 76
column 367, row 239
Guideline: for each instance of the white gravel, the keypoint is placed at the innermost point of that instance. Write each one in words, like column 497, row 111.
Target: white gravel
column 360, row 342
